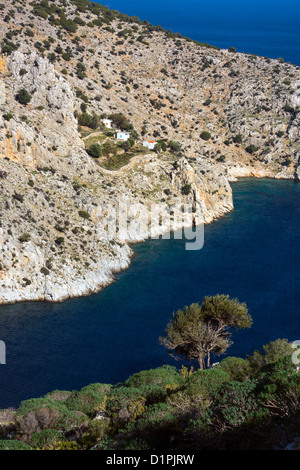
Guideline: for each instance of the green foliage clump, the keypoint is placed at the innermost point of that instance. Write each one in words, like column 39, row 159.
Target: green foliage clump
column 162, row 376
column 242, row 400
column 251, row 149
column 95, row 150
column 197, row 331
column 125, row 403
column 156, row 384
column 186, row 189
column 7, row 47
column 84, row 214
column 88, row 120
column 68, row 24
column 237, row 368
column 59, row 240
column 174, row 146
column 89, row 400
column 238, row 139
column 208, row 381
column 25, row 237
column 205, row 135
column 8, row 116
column 12, row 444
column 38, row 414
column 45, row 439
column 23, row 97
column 121, row 122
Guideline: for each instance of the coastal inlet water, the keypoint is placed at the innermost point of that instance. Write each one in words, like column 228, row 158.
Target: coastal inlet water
column 265, row 27
column 251, row 253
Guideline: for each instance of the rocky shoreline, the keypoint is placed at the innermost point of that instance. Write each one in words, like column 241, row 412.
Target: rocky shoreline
column 218, row 116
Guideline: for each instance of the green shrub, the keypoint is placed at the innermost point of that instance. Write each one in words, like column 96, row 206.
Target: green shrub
column 58, row 395
column 38, row 414
column 7, row 47
column 84, row 214
column 39, row 11
column 68, row 25
column 13, row 445
column 243, row 403
column 59, row 240
column 186, row 189
column 163, row 145
column 205, row 135
column 8, row 116
column 251, row 149
column 125, row 403
column 95, row 150
column 89, row 400
column 237, row 139
column 88, row 120
column 96, row 431
column 209, row 380
column 79, row 21
column 23, row 97
column 237, row 368
column 25, row 237
column 162, row 376
column 158, row 423
column 45, row 439
column 174, row 146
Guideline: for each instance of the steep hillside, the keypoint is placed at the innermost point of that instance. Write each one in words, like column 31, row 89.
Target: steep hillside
column 66, row 65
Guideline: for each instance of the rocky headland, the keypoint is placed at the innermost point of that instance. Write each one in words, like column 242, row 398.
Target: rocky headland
column 64, row 67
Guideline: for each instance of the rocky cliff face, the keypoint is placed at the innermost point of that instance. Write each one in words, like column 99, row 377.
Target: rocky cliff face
column 60, row 230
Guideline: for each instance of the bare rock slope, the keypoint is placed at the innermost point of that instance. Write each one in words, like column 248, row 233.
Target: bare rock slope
column 229, row 114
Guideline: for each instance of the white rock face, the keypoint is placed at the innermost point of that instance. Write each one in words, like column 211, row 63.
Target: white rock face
column 50, row 132
column 2, row 93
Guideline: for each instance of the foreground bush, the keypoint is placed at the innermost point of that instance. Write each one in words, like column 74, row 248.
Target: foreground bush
column 89, row 400
column 13, row 445
column 251, row 403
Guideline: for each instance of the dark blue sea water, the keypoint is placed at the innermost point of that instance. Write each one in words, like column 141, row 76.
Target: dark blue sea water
column 252, row 253
column 265, row 27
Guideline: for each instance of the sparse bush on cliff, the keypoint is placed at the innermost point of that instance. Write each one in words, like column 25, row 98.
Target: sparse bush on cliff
column 25, row 237
column 8, row 116
column 59, row 241
column 205, row 135
column 238, row 139
column 251, row 149
column 174, row 146
column 23, row 96
column 186, row 189
column 84, row 214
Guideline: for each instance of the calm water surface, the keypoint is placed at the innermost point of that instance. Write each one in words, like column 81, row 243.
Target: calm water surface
column 251, row 253
column 265, row 27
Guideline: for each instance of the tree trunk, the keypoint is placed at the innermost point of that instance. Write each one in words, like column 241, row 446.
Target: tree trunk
column 208, row 359
column 201, row 361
